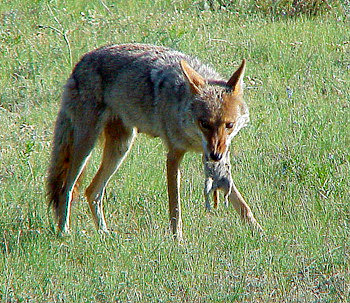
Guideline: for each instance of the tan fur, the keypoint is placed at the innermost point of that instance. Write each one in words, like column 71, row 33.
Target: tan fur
column 195, row 80
column 124, row 89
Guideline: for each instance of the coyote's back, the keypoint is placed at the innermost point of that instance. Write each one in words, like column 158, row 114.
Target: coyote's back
column 124, row 89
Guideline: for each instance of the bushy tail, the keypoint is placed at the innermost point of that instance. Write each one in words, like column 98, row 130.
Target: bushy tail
column 60, row 161
column 61, row 155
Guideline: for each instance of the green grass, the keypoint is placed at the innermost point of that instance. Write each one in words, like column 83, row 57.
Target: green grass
column 292, row 163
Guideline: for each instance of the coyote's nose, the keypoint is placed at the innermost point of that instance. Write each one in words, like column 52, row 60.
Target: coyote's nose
column 215, row 156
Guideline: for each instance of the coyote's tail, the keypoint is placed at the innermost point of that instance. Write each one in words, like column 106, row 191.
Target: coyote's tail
column 61, row 155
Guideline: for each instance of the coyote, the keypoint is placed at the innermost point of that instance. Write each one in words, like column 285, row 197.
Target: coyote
column 120, row 90
column 217, row 176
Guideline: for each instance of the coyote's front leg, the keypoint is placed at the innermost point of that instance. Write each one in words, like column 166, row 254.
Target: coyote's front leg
column 243, row 209
column 173, row 177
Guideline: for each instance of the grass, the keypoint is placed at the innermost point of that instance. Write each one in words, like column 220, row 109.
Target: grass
column 292, row 163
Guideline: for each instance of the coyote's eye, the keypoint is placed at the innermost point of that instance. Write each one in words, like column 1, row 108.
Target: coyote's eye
column 229, row 125
column 204, row 124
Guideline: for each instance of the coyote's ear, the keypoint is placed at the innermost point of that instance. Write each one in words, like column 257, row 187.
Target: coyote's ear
column 195, row 80
column 236, row 81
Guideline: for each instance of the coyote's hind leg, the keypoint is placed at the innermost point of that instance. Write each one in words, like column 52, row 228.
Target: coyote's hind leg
column 83, row 143
column 118, row 141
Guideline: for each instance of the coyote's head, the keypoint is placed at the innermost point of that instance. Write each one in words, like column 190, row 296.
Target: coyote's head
column 218, row 108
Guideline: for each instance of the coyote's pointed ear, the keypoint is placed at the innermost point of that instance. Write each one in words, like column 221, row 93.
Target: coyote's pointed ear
column 236, row 81
column 195, row 80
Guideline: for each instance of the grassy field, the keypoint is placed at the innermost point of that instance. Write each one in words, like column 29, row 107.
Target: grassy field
column 292, row 163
